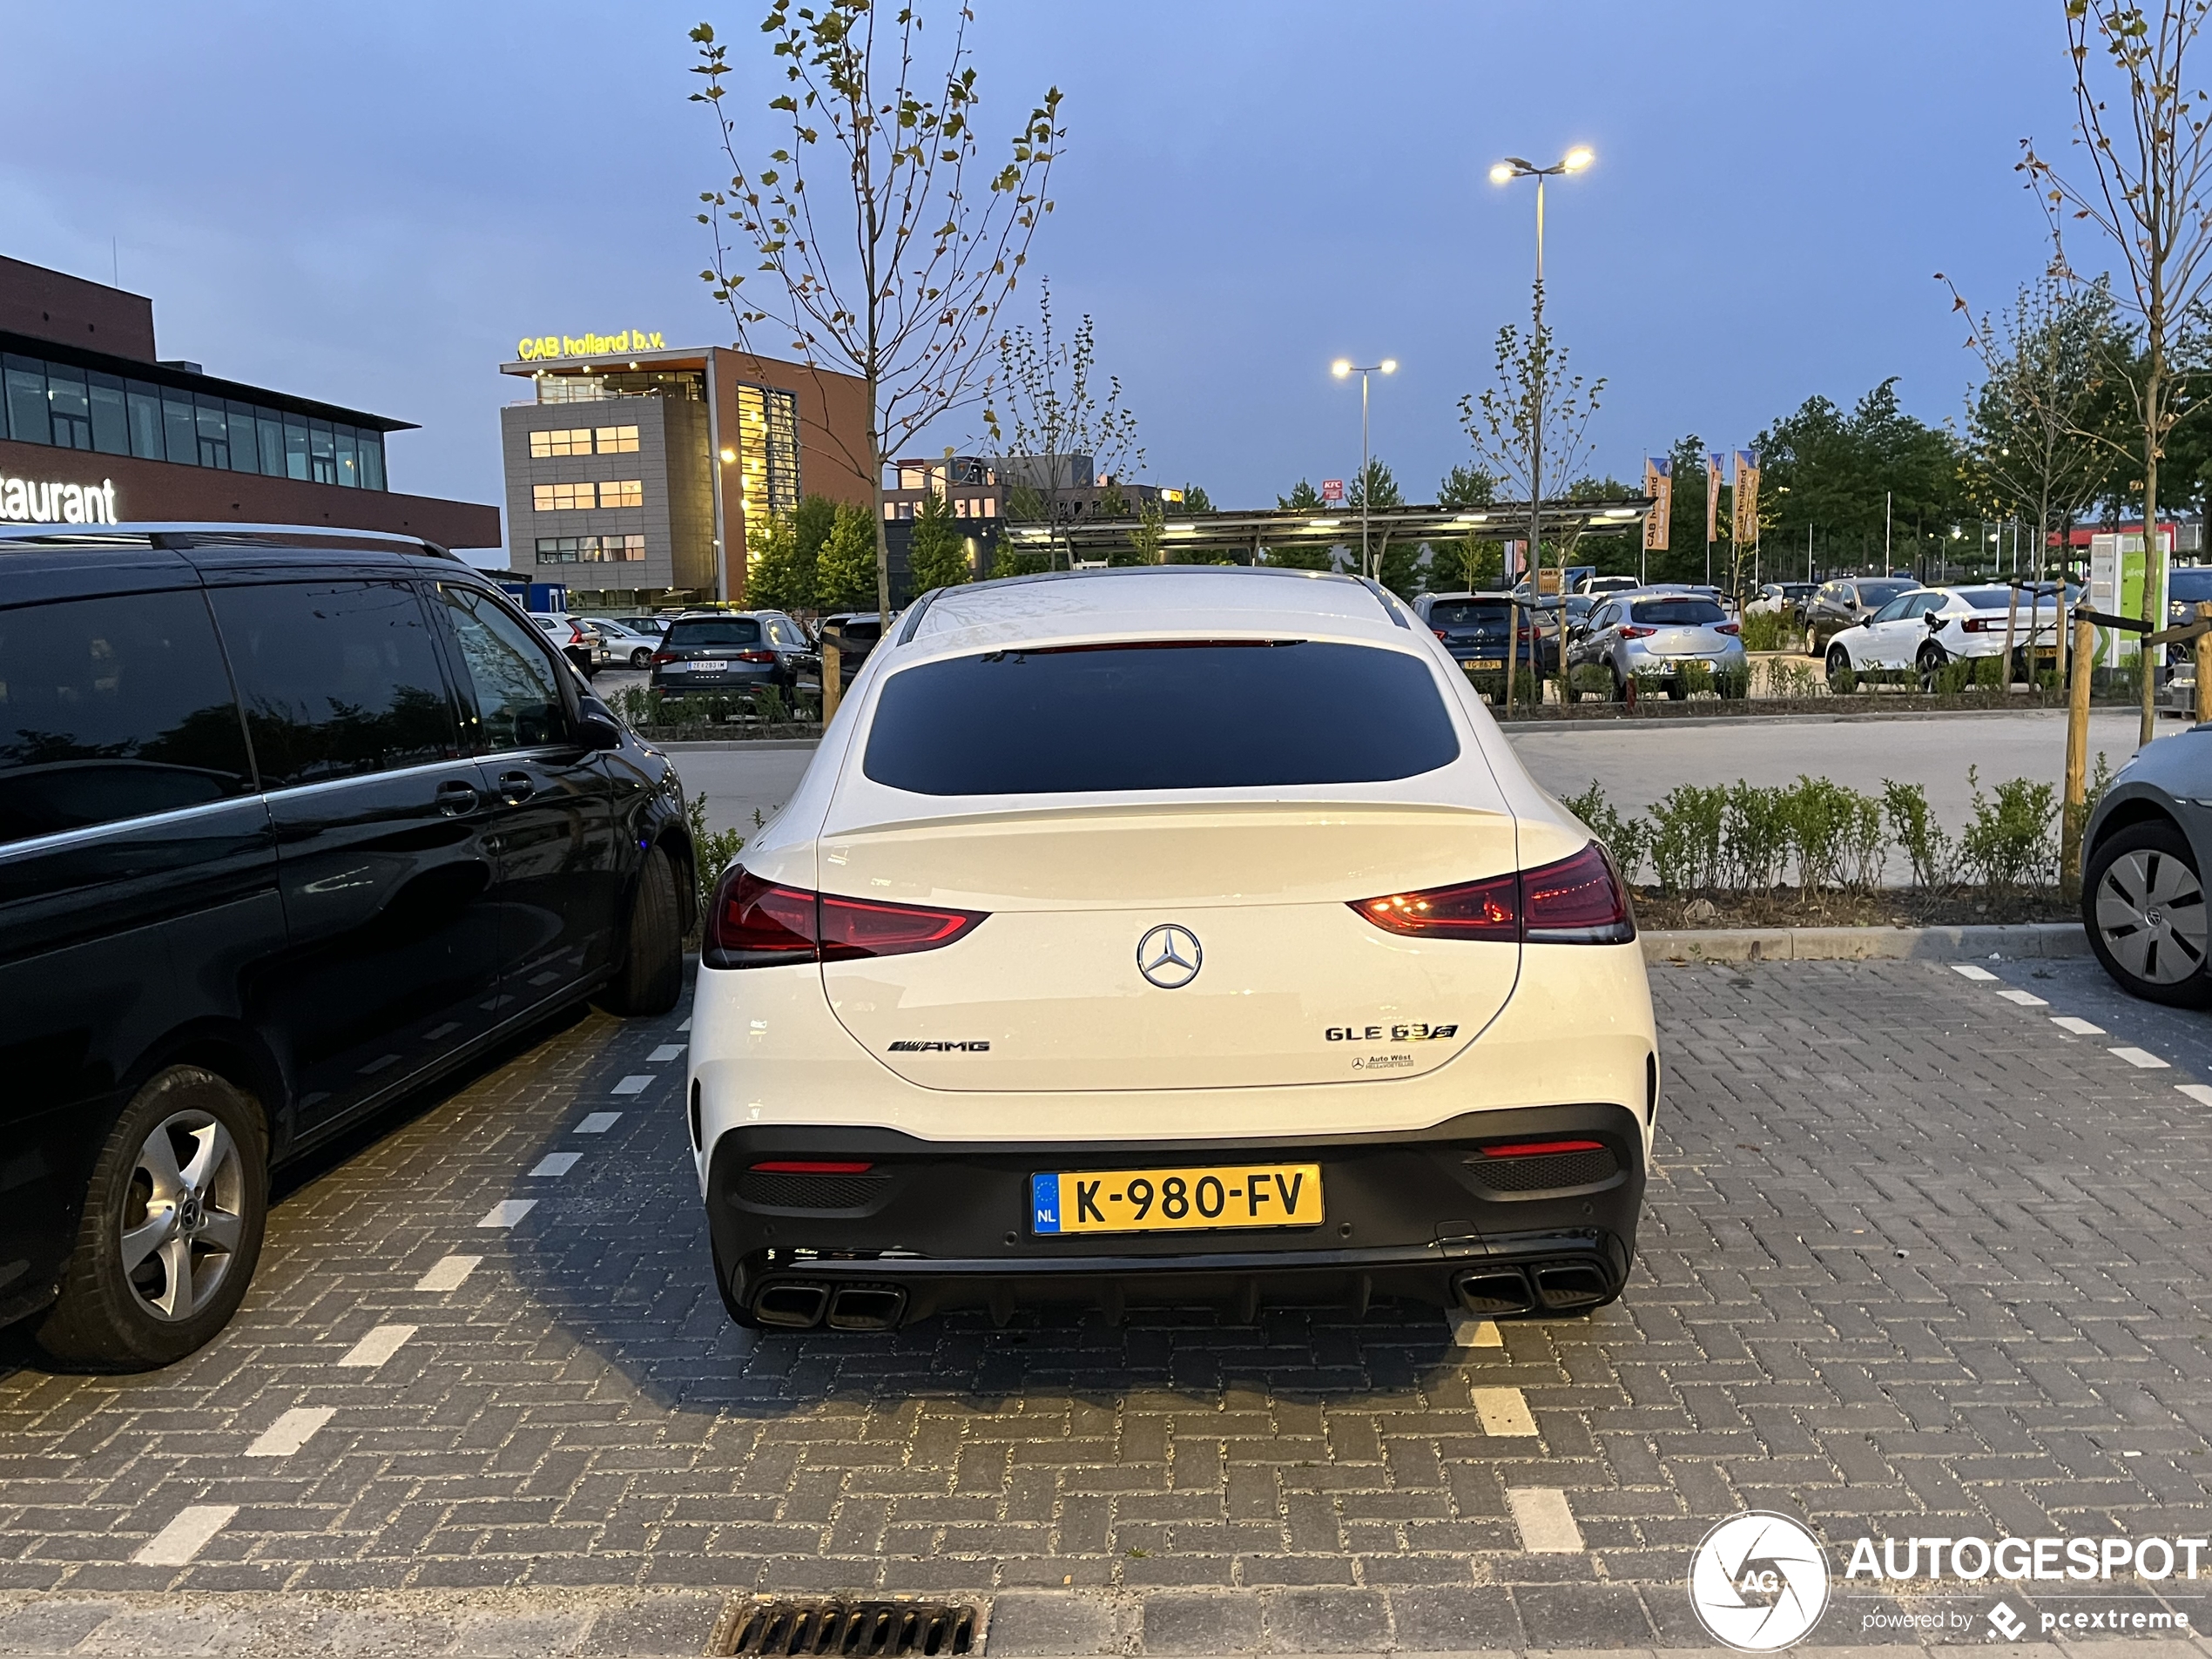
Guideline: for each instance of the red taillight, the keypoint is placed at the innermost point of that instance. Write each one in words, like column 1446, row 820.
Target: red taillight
column 1629, row 630
column 1517, row 1150
column 1728, row 628
column 1982, row 625
column 756, row 656
column 664, row 657
column 1576, row 901
column 803, row 1166
column 753, row 923
column 1440, row 633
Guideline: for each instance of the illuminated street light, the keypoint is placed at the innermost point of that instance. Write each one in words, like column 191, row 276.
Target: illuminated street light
column 1340, row 368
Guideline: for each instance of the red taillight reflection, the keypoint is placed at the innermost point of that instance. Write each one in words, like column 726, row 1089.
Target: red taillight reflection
column 664, row 657
column 1629, row 630
column 756, row 656
column 804, row 1166
column 1580, row 900
column 1522, row 1149
column 753, row 923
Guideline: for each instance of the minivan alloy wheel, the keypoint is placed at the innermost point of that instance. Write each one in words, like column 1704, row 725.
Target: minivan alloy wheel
column 2150, row 915
column 182, row 1223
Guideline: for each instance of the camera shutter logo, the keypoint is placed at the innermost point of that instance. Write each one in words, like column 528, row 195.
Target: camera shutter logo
column 1759, row 1581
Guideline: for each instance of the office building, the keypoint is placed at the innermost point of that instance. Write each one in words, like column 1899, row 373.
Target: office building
column 96, row 428
column 633, row 469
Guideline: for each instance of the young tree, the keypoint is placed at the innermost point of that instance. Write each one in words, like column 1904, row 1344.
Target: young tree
column 845, row 574
column 1147, row 540
column 894, row 268
column 1045, row 386
column 1303, row 498
column 1195, row 499
column 811, row 525
column 1475, row 560
column 775, row 580
column 937, row 554
column 1531, row 425
column 2149, row 142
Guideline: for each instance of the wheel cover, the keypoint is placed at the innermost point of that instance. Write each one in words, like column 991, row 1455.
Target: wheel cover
column 182, row 1223
column 2150, row 912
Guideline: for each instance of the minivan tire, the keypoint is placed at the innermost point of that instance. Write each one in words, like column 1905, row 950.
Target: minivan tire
column 107, row 1317
column 651, row 976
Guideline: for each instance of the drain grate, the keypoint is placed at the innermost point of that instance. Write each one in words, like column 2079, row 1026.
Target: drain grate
column 787, row 1626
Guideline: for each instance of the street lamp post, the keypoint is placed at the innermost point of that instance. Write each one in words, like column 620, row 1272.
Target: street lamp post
column 1505, row 173
column 1340, row 368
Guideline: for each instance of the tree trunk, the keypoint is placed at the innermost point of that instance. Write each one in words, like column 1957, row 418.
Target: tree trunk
column 2154, row 410
column 876, row 459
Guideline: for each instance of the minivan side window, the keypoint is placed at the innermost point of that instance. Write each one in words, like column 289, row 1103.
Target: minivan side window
column 339, row 679
column 112, row 709
column 515, row 684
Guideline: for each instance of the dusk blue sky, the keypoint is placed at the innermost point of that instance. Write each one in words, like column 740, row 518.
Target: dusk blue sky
column 371, row 205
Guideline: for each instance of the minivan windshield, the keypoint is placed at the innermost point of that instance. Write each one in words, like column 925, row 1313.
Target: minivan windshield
column 1684, row 612
column 1159, row 714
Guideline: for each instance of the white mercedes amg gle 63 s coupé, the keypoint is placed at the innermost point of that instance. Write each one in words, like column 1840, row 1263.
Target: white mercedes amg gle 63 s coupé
column 1177, row 935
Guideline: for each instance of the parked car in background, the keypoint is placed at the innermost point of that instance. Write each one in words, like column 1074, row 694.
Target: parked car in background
column 1918, row 633
column 727, row 651
column 626, row 644
column 1782, row 599
column 1845, row 603
column 1654, row 636
column 652, row 627
column 1168, row 936
column 291, row 824
column 2144, row 852
column 855, row 634
column 2186, row 586
column 577, row 639
column 1597, row 586
column 1474, row 628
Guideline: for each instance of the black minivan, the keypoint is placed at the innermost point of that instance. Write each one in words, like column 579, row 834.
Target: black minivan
column 290, row 821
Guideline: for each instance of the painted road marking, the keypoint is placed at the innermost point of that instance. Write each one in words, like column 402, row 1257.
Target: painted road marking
column 597, row 1122
column 507, row 1212
column 186, row 1535
column 1546, row 1524
column 2079, row 1027
column 1503, row 1412
column 290, row 1432
column 665, row 1053
column 1470, row 1333
column 557, row 1162
column 687, row 1026
column 377, row 1345
column 2026, row 999
column 636, row 1084
column 2201, row 1093
column 1971, row 971
column 447, row 1273
column 2141, row 1057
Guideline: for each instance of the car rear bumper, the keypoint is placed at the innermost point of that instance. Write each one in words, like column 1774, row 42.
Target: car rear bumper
column 745, row 676
column 1425, row 1216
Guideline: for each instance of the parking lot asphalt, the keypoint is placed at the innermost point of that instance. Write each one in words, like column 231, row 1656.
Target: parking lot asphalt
column 1916, row 1260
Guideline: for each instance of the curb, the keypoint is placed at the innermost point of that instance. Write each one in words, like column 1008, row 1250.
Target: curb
column 1865, row 944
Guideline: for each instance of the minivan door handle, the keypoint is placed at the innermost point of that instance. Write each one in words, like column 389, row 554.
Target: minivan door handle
column 515, row 787
column 456, row 799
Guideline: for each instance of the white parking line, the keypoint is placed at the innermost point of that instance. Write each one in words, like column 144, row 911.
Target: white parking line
column 665, row 1053
column 2081, row 1028
column 1971, row 971
column 1468, row 1332
column 1502, row 1411
column 597, row 1122
column 290, row 1432
column 447, row 1273
column 687, row 1026
column 2026, row 999
column 2142, row 1057
column 377, row 1345
column 2201, row 1093
column 507, row 1212
column 186, row 1535
column 1546, row 1524
column 557, row 1163
column 635, row 1084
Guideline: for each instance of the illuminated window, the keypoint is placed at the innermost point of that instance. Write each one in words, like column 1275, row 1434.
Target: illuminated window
column 629, row 492
column 558, row 498
column 617, row 441
column 768, row 451
column 574, row 440
column 590, row 549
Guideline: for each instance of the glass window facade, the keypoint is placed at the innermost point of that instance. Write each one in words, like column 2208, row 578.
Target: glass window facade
column 590, row 549
column 566, row 441
column 617, row 440
column 767, row 451
column 69, row 408
column 561, row 498
column 626, row 492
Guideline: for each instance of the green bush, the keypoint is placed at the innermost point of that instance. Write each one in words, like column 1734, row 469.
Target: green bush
column 1954, row 676
column 1755, row 836
column 1845, row 682
column 2008, row 845
column 1793, row 677
column 1913, row 826
column 1624, row 836
column 1694, row 678
column 1685, row 842
column 1837, row 835
column 1592, row 679
column 1770, row 631
column 1732, row 683
column 1989, row 673
column 711, row 849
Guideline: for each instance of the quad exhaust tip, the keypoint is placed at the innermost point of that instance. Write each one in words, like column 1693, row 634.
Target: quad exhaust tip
column 801, row 1305
column 867, row 1307
column 1557, row 1287
column 794, row 1304
column 1495, row 1293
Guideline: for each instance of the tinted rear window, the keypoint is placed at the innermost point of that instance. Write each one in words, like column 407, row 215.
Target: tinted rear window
column 1990, row 598
column 112, row 709
column 1467, row 613
column 1880, row 593
column 1159, row 716
column 715, row 630
column 1678, row 613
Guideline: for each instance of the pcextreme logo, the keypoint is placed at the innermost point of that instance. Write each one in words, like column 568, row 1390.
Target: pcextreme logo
column 1759, row 1581
column 629, row 340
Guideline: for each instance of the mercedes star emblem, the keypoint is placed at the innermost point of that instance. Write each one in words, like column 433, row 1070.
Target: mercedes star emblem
column 1169, row 956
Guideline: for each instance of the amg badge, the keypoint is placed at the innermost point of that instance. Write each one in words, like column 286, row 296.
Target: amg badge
column 1415, row 1032
column 910, row 1045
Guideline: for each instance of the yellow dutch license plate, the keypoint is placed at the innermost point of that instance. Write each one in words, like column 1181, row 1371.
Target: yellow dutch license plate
column 1147, row 1201
column 1484, row 665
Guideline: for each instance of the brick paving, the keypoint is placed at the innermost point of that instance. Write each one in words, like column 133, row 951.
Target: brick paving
column 1914, row 1261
